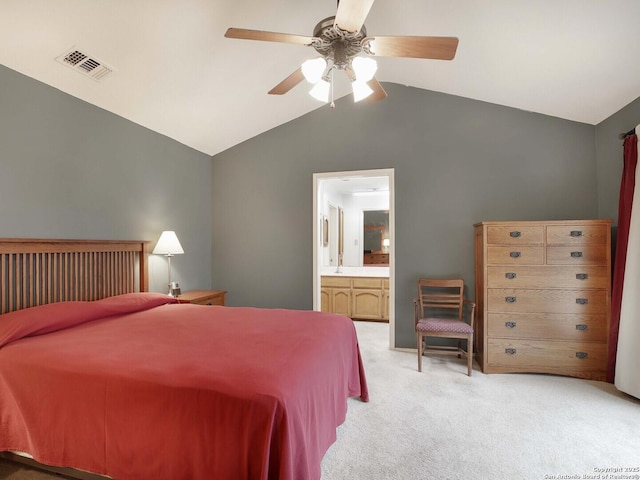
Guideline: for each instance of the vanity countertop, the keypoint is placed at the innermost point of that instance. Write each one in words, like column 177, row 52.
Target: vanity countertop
column 355, row 272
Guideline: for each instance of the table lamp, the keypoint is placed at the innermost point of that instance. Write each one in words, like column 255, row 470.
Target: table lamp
column 169, row 245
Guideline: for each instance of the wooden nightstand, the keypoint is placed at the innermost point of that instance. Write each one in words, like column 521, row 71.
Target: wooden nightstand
column 203, row 297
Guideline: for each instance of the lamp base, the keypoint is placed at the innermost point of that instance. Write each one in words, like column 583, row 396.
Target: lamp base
column 174, row 289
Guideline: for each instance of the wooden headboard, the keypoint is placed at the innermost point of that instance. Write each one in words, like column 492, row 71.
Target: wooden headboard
column 38, row 271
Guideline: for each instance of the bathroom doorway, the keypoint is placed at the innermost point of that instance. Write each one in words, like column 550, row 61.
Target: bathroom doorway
column 356, row 192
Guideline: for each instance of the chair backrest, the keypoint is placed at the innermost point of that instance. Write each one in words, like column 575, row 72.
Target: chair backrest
column 441, row 297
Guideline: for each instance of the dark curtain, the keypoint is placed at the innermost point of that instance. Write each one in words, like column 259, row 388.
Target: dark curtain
column 624, row 220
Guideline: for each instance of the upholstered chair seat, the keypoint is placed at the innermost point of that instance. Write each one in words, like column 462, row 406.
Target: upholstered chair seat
column 443, row 325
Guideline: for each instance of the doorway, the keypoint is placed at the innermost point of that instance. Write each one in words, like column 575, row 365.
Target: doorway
column 366, row 190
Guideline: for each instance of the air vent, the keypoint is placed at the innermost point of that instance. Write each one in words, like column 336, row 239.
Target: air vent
column 86, row 64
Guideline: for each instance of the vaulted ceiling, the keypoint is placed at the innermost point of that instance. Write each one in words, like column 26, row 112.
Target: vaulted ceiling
column 174, row 72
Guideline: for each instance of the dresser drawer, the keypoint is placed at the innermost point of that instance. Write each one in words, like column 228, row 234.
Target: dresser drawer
column 515, row 235
column 543, row 276
column 577, row 255
column 547, row 300
column 515, row 255
column 212, row 300
column 560, row 326
column 547, row 356
column 577, row 234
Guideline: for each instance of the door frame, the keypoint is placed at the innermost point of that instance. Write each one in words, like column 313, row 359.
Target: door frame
column 317, row 236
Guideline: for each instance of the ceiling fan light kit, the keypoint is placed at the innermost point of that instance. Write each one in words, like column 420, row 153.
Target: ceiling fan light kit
column 365, row 68
column 320, row 90
column 313, row 69
column 360, row 90
column 343, row 44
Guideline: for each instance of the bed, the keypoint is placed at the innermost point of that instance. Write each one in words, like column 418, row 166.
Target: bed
column 100, row 375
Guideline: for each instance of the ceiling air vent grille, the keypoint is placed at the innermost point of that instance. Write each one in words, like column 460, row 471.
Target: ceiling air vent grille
column 86, row 64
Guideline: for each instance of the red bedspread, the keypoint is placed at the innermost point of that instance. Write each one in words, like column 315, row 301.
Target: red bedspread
column 149, row 390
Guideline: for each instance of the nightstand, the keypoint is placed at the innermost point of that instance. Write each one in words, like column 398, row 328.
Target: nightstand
column 203, row 297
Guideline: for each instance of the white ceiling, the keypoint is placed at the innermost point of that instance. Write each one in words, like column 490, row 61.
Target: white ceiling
column 176, row 73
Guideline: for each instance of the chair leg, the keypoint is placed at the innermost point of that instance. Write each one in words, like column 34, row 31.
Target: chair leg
column 469, row 356
column 419, row 338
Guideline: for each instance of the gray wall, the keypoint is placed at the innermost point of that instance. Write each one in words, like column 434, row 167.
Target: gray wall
column 71, row 170
column 457, row 162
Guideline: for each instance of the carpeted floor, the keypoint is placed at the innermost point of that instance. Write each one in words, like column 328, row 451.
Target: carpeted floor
column 442, row 424
column 15, row 471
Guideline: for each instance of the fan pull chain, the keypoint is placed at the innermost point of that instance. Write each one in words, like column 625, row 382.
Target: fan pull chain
column 333, row 105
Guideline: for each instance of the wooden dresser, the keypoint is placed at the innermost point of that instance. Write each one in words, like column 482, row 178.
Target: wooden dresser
column 376, row 259
column 543, row 294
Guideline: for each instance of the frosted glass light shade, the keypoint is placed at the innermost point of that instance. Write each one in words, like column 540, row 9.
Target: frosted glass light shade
column 360, row 90
column 364, row 67
column 168, row 244
column 320, row 91
column 313, row 69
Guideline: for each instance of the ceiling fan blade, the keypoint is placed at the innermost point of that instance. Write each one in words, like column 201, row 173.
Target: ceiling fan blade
column 438, row 48
column 351, row 14
column 288, row 83
column 378, row 91
column 246, row 34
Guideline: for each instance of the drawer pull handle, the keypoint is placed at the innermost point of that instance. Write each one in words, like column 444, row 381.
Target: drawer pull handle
column 510, row 324
column 510, row 299
column 511, row 351
column 510, row 275
column 514, row 254
column 576, row 254
column 582, row 301
column 515, row 234
column 582, row 276
column 576, row 233
column 582, row 327
column 582, row 355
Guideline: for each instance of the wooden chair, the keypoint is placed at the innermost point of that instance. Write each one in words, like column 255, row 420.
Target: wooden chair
column 439, row 311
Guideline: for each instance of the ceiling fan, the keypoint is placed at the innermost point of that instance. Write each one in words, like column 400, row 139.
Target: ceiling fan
column 343, row 44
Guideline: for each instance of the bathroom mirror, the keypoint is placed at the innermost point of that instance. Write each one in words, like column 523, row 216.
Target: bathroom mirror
column 375, row 237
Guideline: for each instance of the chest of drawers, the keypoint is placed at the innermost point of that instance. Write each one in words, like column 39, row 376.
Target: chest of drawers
column 543, row 293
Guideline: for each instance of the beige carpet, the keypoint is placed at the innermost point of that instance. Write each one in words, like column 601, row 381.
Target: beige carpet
column 441, row 424
column 14, row 471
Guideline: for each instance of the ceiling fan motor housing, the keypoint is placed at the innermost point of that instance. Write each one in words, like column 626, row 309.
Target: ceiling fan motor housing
column 338, row 45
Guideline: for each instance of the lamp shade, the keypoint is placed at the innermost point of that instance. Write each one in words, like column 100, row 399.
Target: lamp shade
column 360, row 90
column 320, row 91
column 365, row 68
column 314, row 69
column 168, row 244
